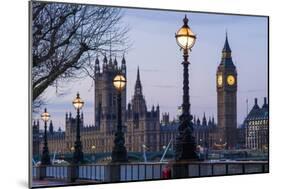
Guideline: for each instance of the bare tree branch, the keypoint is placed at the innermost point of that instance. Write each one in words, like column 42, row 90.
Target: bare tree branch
column 66, row 37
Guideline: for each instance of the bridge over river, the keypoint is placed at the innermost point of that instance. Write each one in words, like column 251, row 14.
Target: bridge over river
column 239, row 155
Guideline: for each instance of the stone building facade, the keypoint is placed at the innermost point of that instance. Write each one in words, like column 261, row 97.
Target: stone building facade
column 143, row 127
column 226, row 100
column 204, row 131
column 36, row 138
column 154, row 135
column 140, row 125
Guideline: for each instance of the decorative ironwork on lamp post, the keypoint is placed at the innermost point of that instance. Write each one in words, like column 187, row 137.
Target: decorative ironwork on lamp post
column 78, row 103
column 119, row 152
column 45, row 159
column 185, row 143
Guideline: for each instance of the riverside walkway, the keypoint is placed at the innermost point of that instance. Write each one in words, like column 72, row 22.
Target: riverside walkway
column 124, row 172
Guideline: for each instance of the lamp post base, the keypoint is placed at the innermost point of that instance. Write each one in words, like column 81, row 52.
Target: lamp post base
column 119, row 155
column 113, row 172
column 185, row 142
column 42, row 172
column 73, row 173
column 119, row 152
column 185, row 149
column 45, row 159
column 78, row 155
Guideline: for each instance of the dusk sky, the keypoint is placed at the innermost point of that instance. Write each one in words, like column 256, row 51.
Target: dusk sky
column 155, row 51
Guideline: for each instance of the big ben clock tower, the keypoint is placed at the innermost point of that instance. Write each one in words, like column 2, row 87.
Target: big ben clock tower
column 226, row 80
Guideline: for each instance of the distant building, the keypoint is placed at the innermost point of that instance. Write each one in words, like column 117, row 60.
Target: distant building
column 241, row 137
column 203, row 131
column 143, row 127
column 256, row 127
column 140, row 125
column 165, row 119
column 36, row 138
column 168, row 132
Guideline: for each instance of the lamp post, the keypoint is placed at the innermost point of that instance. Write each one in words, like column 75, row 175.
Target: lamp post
column 200, row 141
column 45, row 159
column 72, row 149
column 94, row 150
column 144, row 147
column 185, row 143
column 78, row 153
column 119, row 152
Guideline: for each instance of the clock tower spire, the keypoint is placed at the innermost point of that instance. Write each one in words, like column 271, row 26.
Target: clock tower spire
column 226, row 99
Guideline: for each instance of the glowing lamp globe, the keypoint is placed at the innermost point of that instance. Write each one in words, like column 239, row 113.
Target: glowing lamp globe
column 45, row 116
column 72, row 148
column 78, row 103
column 119, row 82
column 185, row 37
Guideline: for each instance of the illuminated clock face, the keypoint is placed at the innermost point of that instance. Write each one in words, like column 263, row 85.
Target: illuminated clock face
column 230, row 80
column 219, row 80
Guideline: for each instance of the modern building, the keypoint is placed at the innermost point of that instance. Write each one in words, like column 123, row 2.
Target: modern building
column 256, row 126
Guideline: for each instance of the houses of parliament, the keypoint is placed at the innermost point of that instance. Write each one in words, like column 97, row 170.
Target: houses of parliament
column 143, row 126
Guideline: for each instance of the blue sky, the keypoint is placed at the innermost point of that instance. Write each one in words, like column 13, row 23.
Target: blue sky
column 155, row 51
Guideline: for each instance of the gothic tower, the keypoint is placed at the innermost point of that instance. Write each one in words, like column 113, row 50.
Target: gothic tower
column 35, row 139
column 138, row 101
column 226, row 99
column 106, row 94
column 143, row 126
column 51, row 128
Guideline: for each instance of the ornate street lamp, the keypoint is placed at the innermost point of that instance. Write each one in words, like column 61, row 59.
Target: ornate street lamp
column 94, row 150
column 144, row 147
column 45, row 159
column 78, row 103
column 72, row 149
column 185, row 143
column 119, row 152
